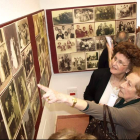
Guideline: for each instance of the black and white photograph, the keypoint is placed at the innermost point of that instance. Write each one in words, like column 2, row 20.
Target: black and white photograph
column 27, row 58
column 35, row 106
column 23, row 33
column 78, row 61
column 85, row 44
column 11, row 108
column 132, row 38
column 84, row 30
column 41, row 23
column 29, row 123
column 65, row 46
column 31, row 83
column 13, row 47
column 22, row 91
column 21, row 134
column 62, row 17
column 3, row 132
column 100, row 42
column 92, row 64
column 126, row 25
column 105, row 28
column 83, row 15
column 126, row 11
column 1, row 37
column 64, row 62
column 90, row 56
column 36, row 24
column 5, row 70
column 104, row 13
column 64, row 32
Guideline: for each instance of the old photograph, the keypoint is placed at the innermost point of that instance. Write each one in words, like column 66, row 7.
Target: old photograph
column 104, row 13
column 126, row 25
column 11, row 108
column 29, row 123
column 62, row 17
column 78, row 61
column 31, row 83
column 13, row 47
column 84, row 30
column 22, row 91
column 41, row 24
column 21, row 134
column 64, row 32
column 132, row 38
column 36, row 24
column 126, row 11
column 65, row 46
column 83, row 15
column 92, row 64
column 100, row 42
column 90, row 56
column 5, row 71
column 64, row 62
column 23, row 33
column 85, row 44
column 138, row 39
column 105, row 28
column 27, row 58
column 35, row 106
column 1, row 36
column 3, row 132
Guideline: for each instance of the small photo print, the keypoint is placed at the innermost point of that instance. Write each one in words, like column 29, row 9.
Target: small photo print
column 105, row 28
column 78, row 61
column 36, row 24
column 64, row 62
column 126, row 11
column 132, row 38
column 138, row 39
column 104, row 13
column 1, row 37
column 22, row 91
column 11, row 108
column 126, row 25
column 91, row 56
column 83, row 15
column 100, row 42
column 62, row 17
column 85, row 44
column 84, row 30
column 65, row 46
column 13, row 47
column 64, row 32
column 92, row 65
column 27, row 58
column 23, row 33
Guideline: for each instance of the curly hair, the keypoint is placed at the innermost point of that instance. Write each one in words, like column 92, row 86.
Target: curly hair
column 130, row 51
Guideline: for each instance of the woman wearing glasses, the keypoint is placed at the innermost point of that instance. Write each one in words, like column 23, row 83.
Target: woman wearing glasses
column 104, row 84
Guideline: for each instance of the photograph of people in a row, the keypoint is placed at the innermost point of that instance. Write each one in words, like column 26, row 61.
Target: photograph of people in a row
column 96, row 13
column 77, row 61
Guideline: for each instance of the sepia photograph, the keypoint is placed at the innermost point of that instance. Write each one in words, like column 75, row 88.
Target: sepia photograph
column 128, row 26
column 3, row 132
column 126, row 11
column 104, row 13
column 132, row 38
column 85, row 44
column 36, row 24
column 11, row 108
column 84, row 30
column 64, row 62
column 1, row 37
column 27, row 58
column 62, row 17
column 31, row 83
column 64, row 32
column 65, row 46
column 23, row 33
column 21, row 134
column 22, row 91
column 100, row 42
column 78, row 61
column 35, row 106
column 90, row 56
column 105, row 28
column 5, row 70
column 41, row 24
column 92, row 64
column 13, row 47
column 29, row 123
column 83, row 15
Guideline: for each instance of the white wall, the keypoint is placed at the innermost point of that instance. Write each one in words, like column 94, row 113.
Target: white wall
column 12, row 9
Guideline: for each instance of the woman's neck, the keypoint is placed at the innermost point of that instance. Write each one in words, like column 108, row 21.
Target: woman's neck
column 118, row 78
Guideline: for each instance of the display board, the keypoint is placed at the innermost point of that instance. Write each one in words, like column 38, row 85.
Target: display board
column 20, row 71
column 77, row 35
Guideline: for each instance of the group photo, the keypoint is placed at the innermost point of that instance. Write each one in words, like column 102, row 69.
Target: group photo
column 100, row 42
column 92, row 65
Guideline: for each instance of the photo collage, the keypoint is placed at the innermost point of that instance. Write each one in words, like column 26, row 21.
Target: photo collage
column 79, row 33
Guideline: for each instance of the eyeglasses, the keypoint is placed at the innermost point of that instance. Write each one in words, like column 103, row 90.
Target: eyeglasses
column 119, row 62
